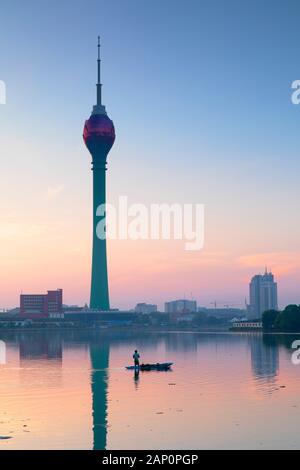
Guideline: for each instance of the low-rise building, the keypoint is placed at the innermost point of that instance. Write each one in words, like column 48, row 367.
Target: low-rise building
column 145, row 309
column 181, row 306
column 35, row 306
column 247, row 325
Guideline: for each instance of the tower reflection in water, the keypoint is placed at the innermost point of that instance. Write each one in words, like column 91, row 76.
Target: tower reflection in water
column 48, row 346
column 99, row 354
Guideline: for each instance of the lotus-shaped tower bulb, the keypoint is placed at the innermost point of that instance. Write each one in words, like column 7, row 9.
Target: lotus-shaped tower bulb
column 99, row 135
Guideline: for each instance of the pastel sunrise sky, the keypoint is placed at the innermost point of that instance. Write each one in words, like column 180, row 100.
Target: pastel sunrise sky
column 200, row 95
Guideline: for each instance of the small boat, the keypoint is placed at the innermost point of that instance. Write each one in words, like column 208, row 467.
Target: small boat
column 157, row 366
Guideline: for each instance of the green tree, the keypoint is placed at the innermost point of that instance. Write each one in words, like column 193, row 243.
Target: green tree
column 289, row 319
column 269, row 319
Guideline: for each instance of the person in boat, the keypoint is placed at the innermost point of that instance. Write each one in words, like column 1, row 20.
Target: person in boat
column 136, row 358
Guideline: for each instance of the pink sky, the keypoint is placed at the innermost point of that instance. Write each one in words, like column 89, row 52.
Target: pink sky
column 45, row 235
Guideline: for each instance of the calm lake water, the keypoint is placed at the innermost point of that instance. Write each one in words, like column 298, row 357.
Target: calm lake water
column 70, row 390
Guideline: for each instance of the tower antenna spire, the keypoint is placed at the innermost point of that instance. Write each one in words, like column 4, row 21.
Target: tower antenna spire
column 99, row 85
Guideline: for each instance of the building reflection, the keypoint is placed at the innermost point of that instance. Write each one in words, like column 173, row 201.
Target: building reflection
column 40, row 351
column 181, row 342
column 40, row 346
column 264, row 358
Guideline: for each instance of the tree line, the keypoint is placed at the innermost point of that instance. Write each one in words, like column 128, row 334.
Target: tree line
column 287, row 320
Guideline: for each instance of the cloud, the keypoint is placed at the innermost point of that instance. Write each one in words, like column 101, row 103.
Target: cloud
column 12, row 230
column 54, row 191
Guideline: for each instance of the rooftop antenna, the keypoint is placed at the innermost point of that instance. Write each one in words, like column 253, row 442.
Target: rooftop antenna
column 99, row 85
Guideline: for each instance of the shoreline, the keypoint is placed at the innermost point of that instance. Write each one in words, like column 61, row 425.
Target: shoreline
column 118, row 329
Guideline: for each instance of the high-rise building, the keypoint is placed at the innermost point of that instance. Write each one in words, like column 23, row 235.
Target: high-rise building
column 42, row 305
column 263, row 294
column 181, row 306
column 99, row 136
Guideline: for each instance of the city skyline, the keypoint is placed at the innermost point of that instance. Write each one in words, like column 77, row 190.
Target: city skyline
column 216, row 122
column 263, row 296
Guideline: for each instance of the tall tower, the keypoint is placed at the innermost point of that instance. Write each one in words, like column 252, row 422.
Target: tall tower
column 99, row 136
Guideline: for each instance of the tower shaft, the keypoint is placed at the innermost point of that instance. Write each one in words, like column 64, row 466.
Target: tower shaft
column 99, row 283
